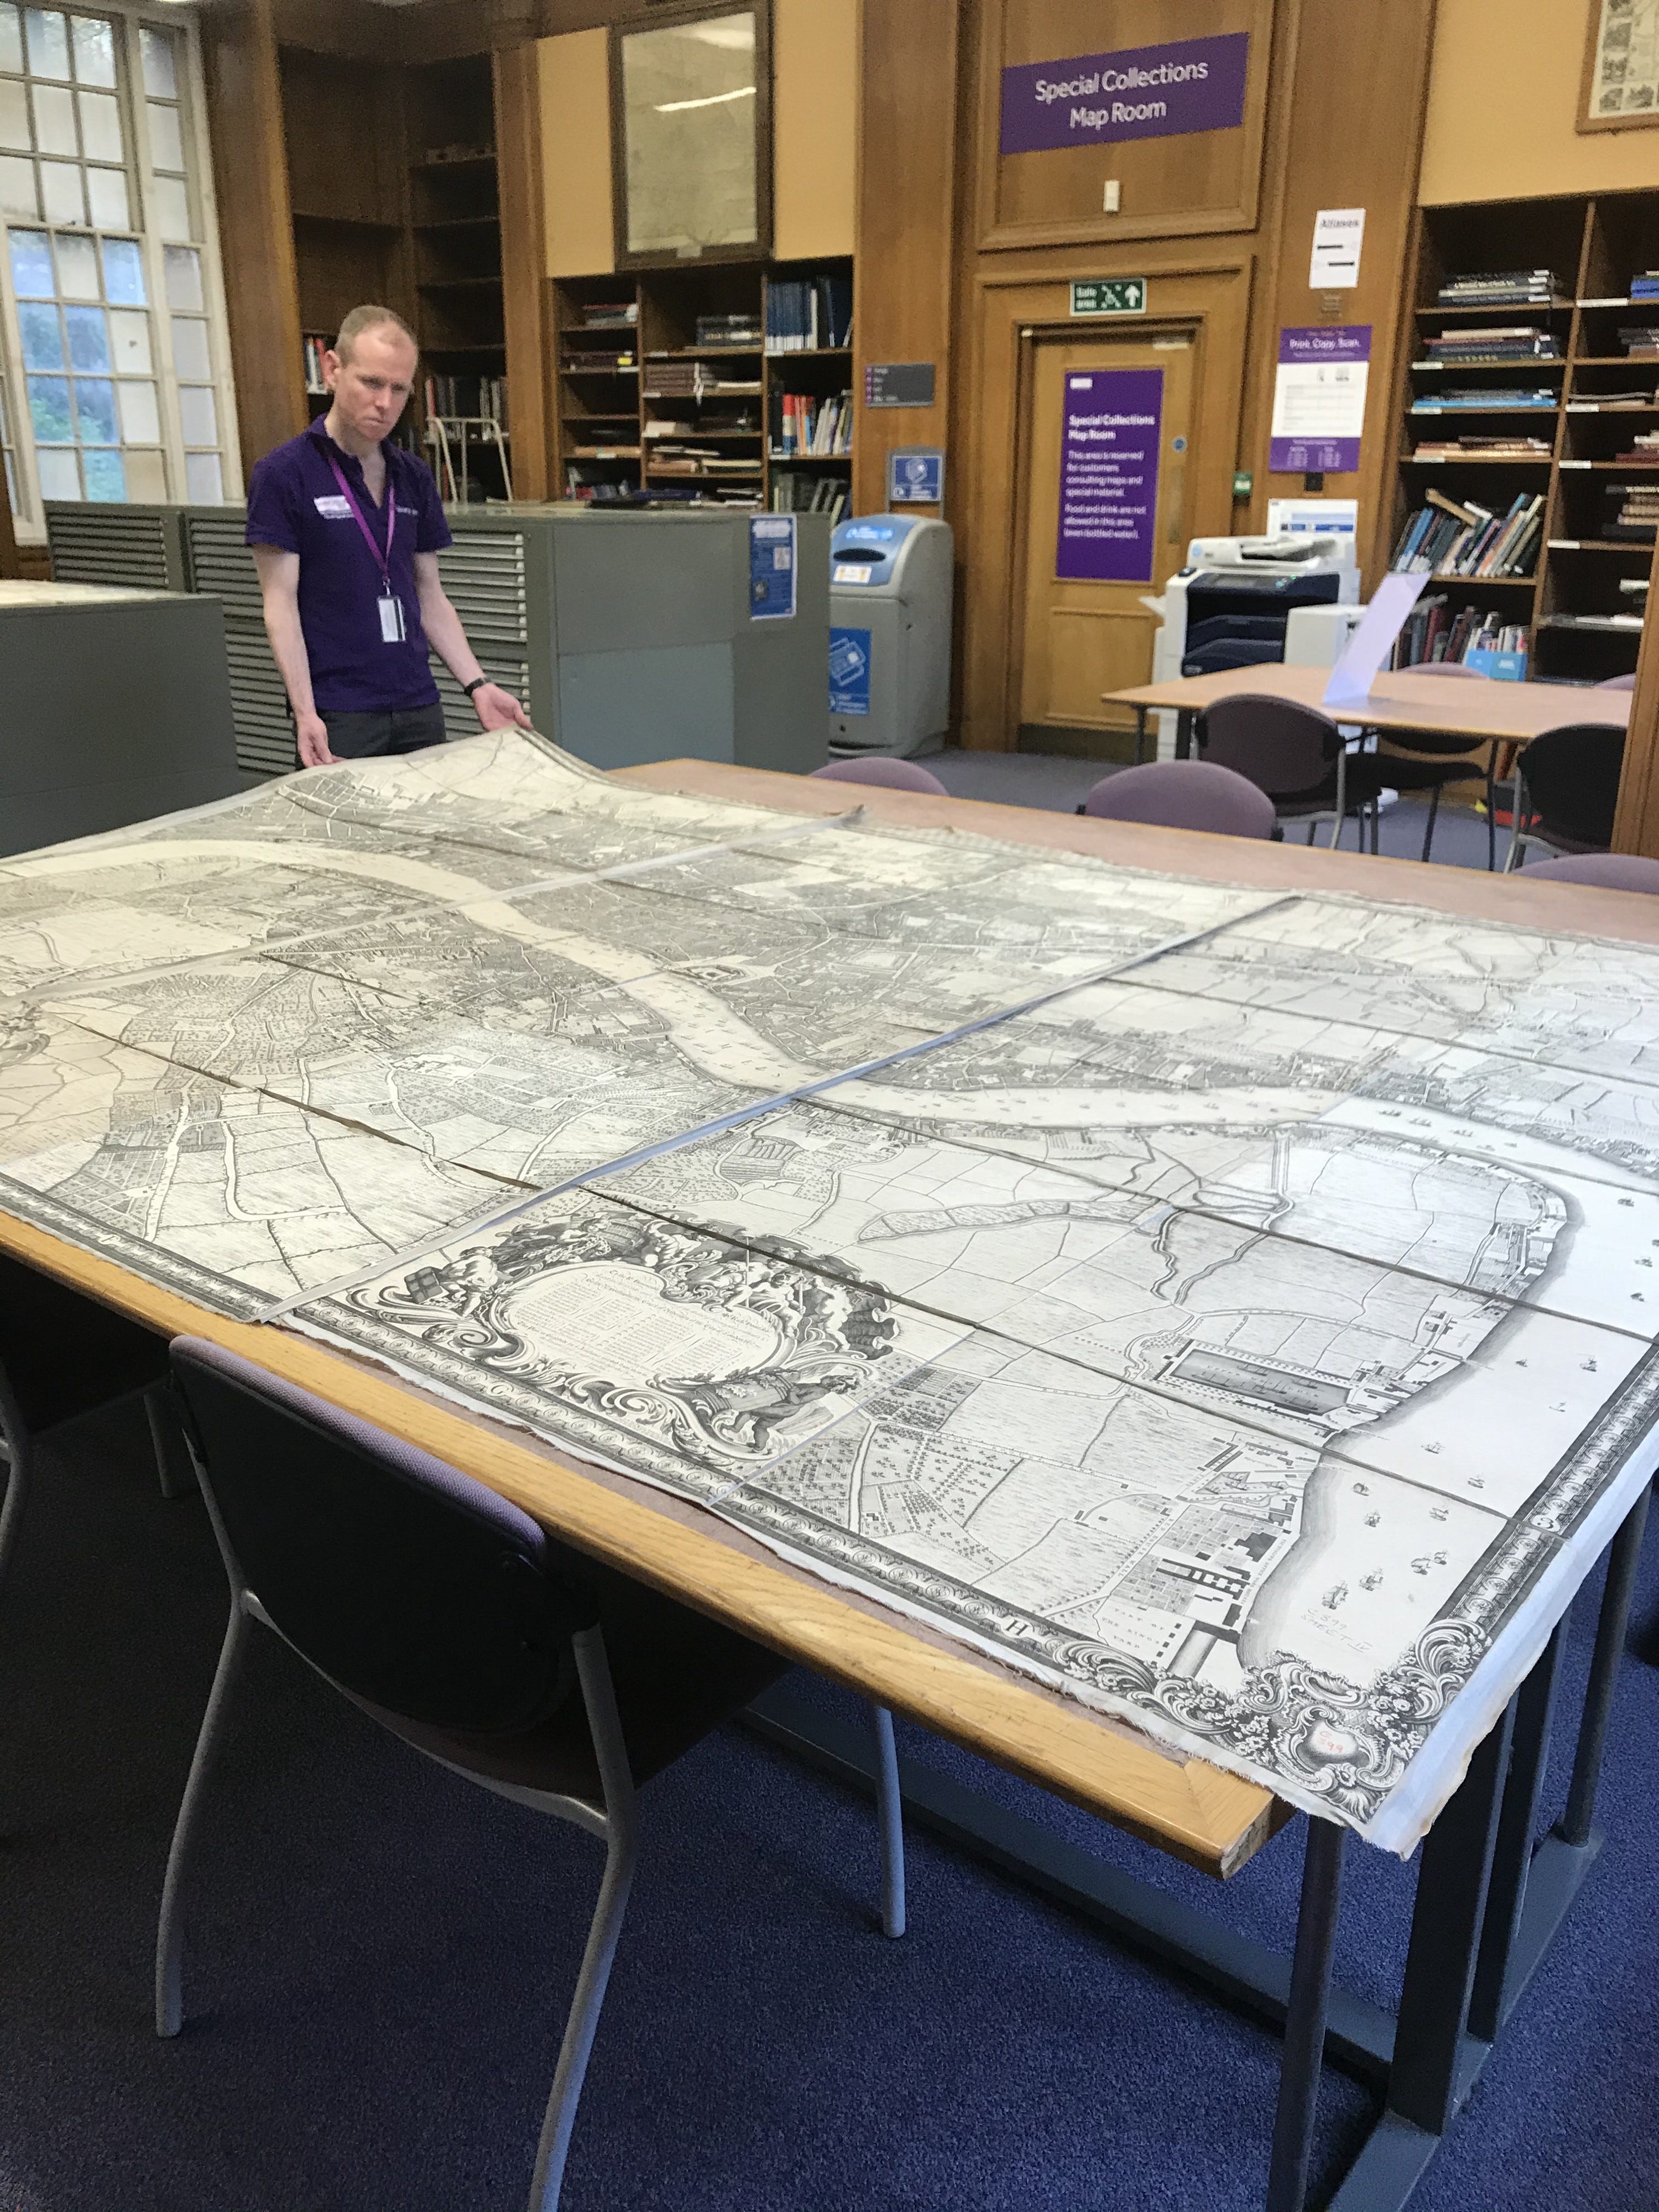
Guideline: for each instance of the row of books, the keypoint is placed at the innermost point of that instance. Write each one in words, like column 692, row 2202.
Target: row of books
column 1645, row 285
column 1461, row 537
column 315, row 350
column 677, row 460
column 1640, row 341
column 1500, row 287
column 602, row 361
column 1467, row 349
column 801, row 424
column 806, row 314
column 1644, row 447
column 1432, row 633
column 738, row 423
column 482, row 397
column 695, row 380
column 1632, row 512
column 1484, row 449
column 610, row 315
column 1608, row 403
column 1483, row 397
column 799, row 494
column 738, row 331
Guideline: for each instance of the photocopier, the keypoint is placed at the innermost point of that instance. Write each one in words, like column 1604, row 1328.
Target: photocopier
column 1241, row 601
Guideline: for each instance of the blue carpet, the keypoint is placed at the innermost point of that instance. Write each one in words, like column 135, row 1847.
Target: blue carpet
column 380, row 1959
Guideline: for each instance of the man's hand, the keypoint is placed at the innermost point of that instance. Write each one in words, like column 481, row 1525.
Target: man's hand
column 313, row 733
column 498, row 709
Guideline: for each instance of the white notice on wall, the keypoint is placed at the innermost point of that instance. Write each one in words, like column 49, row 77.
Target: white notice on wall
column 1336, row 240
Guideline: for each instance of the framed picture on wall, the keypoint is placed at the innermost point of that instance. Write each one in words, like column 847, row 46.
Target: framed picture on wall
column 691, row 134
column 1620, row 90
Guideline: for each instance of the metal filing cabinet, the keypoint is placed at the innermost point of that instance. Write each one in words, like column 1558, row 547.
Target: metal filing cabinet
column 115, row 706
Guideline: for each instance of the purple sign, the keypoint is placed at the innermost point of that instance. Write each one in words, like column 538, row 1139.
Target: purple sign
column 1108, row 475
column 1144, row 92
column 1319, row 397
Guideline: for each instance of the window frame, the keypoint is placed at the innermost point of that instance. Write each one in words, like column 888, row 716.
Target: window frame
column 128, row 18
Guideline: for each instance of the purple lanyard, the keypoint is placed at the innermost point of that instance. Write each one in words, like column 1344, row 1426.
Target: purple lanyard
column 382, row 560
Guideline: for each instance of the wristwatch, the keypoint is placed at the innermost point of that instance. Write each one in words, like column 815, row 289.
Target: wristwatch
column 476, row 685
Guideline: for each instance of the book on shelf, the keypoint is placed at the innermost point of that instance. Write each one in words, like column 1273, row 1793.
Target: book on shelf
column 1484, row 449
column 796, row 493
column 1634, row 587
column 1612, row 402
column 802, row 424
column 1640, row 341
column 315, row 348
column 741, row 331
column 1644, row 447
column 575, row 359
column 1433, row 633
column 1509, row 341
column 1483, row 397
column 1455, row 537
column 610, row 315
column 1645, row 285
column 1632, row 512
column 476, row 398
column 1500, row 287
column 695, row 380
column 808, row 314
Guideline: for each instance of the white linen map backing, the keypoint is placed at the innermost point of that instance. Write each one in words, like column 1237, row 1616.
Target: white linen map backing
column 1235, row 1309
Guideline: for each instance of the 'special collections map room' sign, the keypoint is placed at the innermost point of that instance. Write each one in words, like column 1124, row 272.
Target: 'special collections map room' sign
column 1144, row 92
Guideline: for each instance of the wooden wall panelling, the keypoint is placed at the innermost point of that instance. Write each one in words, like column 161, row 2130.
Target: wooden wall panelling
column 1636, row 825
column 1170, row 187
column 574, row 72
column 10, row 564
column 250, row 176
column 907, row 203
column 1212, row 300
column 1356, row 90
column 518, row 158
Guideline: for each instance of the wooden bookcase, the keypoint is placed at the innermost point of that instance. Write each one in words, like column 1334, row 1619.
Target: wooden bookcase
column 613, row 379
column 1594, row 246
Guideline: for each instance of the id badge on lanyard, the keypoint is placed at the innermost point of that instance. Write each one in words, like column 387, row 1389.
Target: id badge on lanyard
column 390, row 607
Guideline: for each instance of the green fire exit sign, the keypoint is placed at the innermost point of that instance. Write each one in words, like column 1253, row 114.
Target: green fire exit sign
column 1110, row 295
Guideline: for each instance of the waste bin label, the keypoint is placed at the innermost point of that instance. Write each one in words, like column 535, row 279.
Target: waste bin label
column 771, row 568
column 849, row 671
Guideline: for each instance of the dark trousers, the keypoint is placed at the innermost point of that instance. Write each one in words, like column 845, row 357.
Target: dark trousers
column 400, row 730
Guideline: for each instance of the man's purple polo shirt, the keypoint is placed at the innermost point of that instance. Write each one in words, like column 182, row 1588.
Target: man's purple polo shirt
column 294, row 502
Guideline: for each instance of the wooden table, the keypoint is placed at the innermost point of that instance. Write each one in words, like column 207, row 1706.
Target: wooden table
column 1209, row 1818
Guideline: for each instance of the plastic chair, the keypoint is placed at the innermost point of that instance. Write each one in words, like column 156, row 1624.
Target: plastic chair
column 456, row 1622
column 1424, row 776
column 1183, row 795
column 61, row 1355
column 1567, row 790
column 1612, row 871
column 1618, row 683
column 892, row 775
column 1295, row 754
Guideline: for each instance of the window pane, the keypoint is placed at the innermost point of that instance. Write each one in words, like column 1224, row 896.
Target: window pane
column 198, row 415
column 88, row 339
column 77, row 269
column 190, row 347
column 94, row 404
column 100, row 126
column 124, row 274
column 107, row 190
column 48, row 42
column 95, row 49
column 54, row 121
column 147, row 476
column 171, row 207
column 17, row 192
column 167, row 145
column 160, row 79
column 184, row 268
column 60, row 187
column 205, row 483
column 141, row 421
column 43, row 339
column 60, row 478
column 130, row 336
column 31, row 266
column 106, row 475
column 49, row 410
column 11, row 37
column 14, row 114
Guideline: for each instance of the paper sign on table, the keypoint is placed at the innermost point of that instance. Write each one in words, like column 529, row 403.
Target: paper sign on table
column 1370, row 644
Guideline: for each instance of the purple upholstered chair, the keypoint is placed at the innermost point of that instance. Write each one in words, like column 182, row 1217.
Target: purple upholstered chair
column 1618, row 683
column 455, row 1621
column 1295, row 755
column 1567, row 787
column 891, row 775
column 1612, row 871
column 1420, row 775
column 1184, row 795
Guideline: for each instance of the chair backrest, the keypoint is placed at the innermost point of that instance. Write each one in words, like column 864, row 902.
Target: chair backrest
column 1455, row 669
column 1612, row 871
column 403, row 1580
column 1184, row 795
column 1280, row 747
column 892, row 775
column 1618, row 683
column 1572, row 780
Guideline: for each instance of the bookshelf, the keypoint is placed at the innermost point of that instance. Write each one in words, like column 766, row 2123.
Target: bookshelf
column 667, row 388
column 1580, row 605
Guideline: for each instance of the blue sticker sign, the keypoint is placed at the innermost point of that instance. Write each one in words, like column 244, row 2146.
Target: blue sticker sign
column 915, row 477
column 849, row 671
column 771, row 568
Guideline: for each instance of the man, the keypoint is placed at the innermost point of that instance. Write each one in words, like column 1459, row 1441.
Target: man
column 346, row 531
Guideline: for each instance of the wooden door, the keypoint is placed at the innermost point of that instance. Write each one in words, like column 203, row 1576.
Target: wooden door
column 1106, row 506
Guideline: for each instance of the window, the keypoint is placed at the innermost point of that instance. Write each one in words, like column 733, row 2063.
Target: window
column 112, row 350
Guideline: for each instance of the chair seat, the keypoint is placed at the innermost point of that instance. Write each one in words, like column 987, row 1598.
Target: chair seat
column 64, row 1354
column 1362, row 785
column 677, row 1675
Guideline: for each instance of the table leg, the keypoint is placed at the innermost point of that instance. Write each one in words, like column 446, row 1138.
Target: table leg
column 1496, row 1983
column 1304, row 2022
column 1185, row 722
column 1611, row 1627
column 1140, row 735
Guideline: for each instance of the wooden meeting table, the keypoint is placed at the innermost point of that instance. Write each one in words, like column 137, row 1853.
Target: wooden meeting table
column 1487, row 1906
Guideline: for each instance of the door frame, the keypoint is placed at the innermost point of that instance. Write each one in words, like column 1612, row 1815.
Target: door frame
column 1211, row 300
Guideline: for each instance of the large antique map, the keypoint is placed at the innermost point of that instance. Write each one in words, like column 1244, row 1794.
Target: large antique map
column 1236, row 1309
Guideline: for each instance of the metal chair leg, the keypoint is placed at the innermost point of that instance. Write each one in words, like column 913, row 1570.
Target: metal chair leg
column 173, row 1466
column 169, row 1934
column 890, row 1820
column 1304, row 2021
column 11, row 1513
column 1623, row 1559
column 583, row 2023
column 1434, row 809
